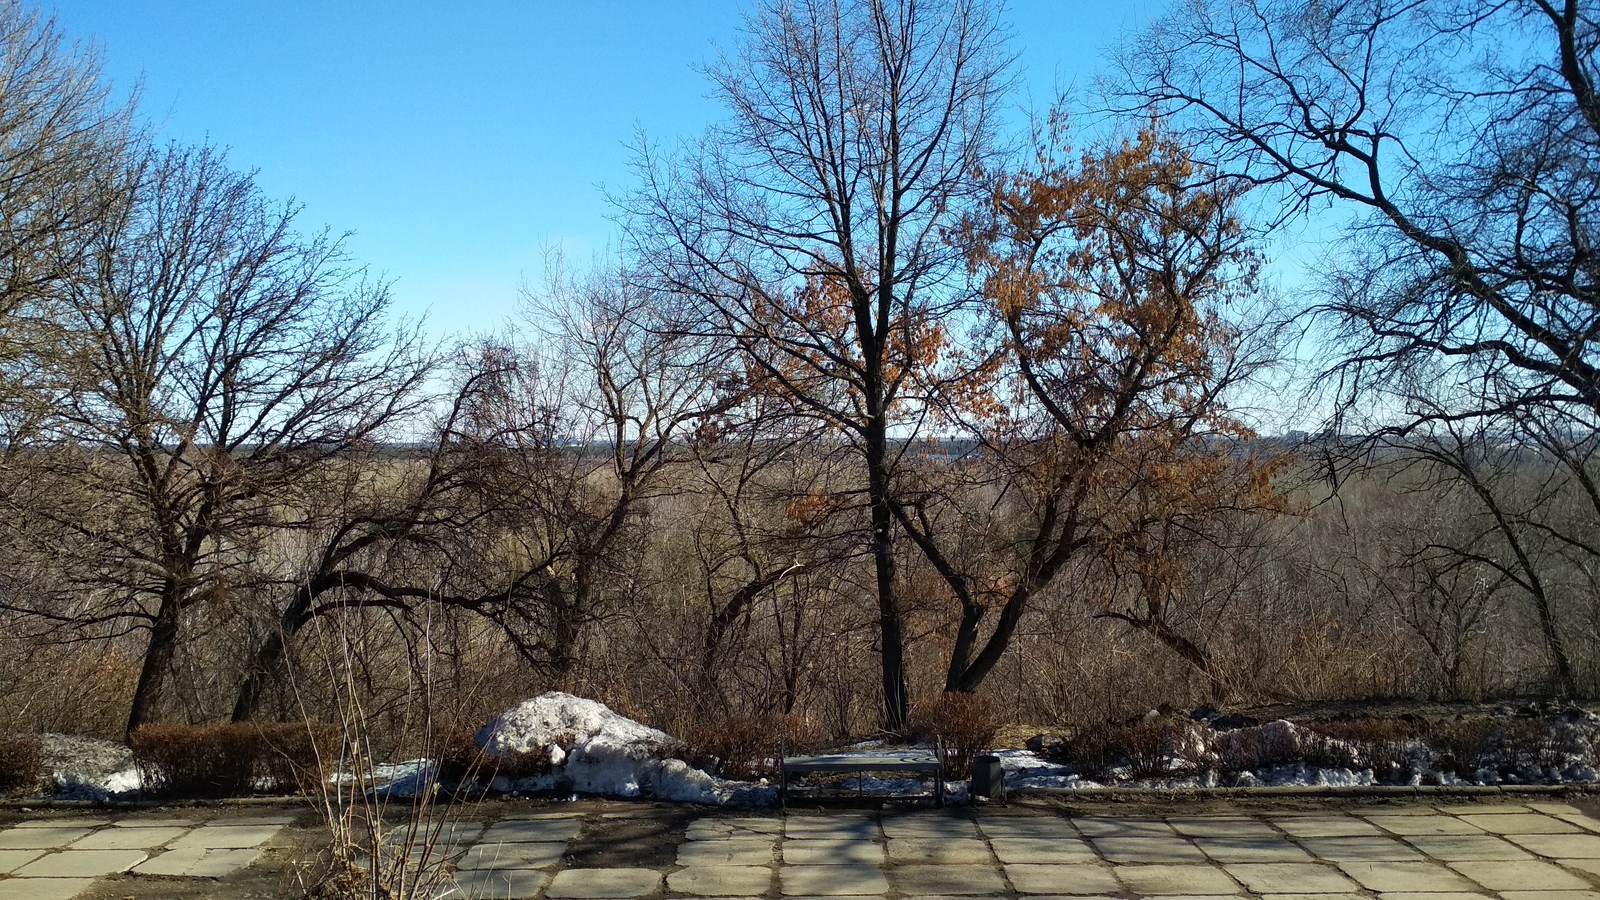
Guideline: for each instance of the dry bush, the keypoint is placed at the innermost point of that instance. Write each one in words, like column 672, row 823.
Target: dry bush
column 1146, row 748
column 966, row 724
column 195, row 761
column 1538, row 744
column 1253, row 749
column 748, row 748
column 292, row 755
column 1461, row 746
column 21, row 765
column 1378, row 744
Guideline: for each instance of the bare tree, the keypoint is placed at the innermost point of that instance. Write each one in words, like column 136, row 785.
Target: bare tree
column 808, row 231
column 214, row 360
column 1461, row 142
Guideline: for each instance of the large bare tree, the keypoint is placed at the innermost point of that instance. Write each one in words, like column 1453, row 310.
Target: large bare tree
column 808, row 230
column 214, row 359
column 1458, row 144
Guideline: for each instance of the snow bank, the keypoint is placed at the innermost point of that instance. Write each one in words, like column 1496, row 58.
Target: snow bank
column 594, row 750
column 83, row 768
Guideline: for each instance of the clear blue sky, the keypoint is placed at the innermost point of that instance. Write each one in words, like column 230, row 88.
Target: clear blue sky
column 457, row 140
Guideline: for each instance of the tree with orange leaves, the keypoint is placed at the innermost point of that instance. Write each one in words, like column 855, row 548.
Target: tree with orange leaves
column 1116, row 291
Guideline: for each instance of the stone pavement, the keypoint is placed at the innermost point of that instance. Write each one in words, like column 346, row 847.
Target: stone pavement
column 1514, row 851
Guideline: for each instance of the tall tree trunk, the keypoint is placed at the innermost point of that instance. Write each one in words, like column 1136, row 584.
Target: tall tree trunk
column 157, row 659
column 896, row 703
column 268, row 658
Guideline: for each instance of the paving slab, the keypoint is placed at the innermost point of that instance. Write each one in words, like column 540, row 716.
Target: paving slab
column 198, row 862
column 951, row 851
column 1048, row 851
column 1219, row 827
column 156, row 822
column 1245, row 850
column 1160, row 880
column 1291, row 878
column 1424, row 824
column 923, row 881
column 937, row 828
column 127, row 838
column 721, row 881
column 1026, row 826
column 1435, row 896
column 11, row 860
column 39, row 838
column 532, row 831
column 1361, row 849
column 43, row 888
column 826, row 828
column 1467, row 847
column 1557, row 846
column 512, row 856
column 82, row 863
column 1148, row 849
column 1407, row 877
column 63, row 822
column 1592, row 866
column 832, row 880
column 1521, row 875
column 223, row 837
column 1587, row 823
column 500, row 884
column 1550, row 895
column 751, row 851
column 1325, row 826
column 1072, row 880
column 586, row 884
column 831, row 853
column 1521, row 823
column 1118, row 827
column 1457, row 809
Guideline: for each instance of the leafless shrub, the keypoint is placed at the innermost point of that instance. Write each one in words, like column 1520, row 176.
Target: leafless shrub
column 21, row 765
column 966, row 724
column 1462, row 745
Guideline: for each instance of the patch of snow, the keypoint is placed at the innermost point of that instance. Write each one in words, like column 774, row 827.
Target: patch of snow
column 85, row 768
column 594, row 750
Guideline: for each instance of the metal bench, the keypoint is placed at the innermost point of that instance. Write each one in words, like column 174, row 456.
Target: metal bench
column 923, row 762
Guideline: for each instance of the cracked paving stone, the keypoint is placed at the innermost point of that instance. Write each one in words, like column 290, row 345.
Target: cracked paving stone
column 1407, row 877
column 82, row 863
column 1026, row 827
column 1360, row 849
column 127, row 838
column 512, row 856
column 1148, row 849
column 226, row 837
column 1558, row 846
column 1521, row 823
column 831, row 853
column 585, row 884
column 1050, row 851
column 1291, row 878
column 832, row 880
column 43, row 888
column 39, row 838
column 532, row 831
column 1326, row 826
column 1549, row 895
column 924, row 881
column 500, row 884
column 1176, row 880
column 1521, row 875
column 1246, row 850
column 11, row 860
column 1467, row 847
column 1123, row 828
column 198, row 862
column 930, row 828
column 729, row 852
column 1224, row 828
column 721, row 881
column 1071, row 879
column 952, row 851
column 1424, row 824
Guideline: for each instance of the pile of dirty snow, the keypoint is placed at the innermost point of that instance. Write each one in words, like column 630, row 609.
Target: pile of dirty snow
column 594, row 750
column 85, row 768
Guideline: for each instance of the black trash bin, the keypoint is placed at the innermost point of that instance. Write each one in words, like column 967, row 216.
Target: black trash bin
column 988, row 777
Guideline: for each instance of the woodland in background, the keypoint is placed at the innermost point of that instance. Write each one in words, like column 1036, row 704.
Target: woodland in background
column 879, row 400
